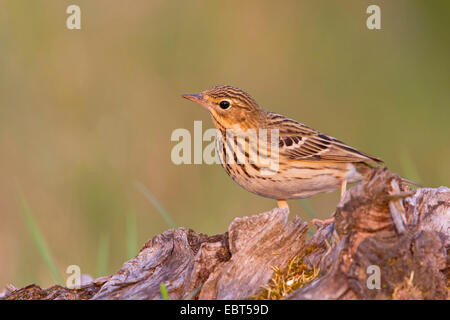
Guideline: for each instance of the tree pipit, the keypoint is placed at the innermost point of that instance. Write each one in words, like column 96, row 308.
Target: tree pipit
column 274, row 156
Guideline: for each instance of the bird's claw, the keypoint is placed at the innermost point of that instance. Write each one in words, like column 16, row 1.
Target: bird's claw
column 320, row 223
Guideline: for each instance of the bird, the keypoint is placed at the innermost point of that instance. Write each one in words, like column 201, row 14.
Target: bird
column 308, row 161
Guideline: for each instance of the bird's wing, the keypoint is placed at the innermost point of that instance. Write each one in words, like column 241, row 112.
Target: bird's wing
column 299, row 142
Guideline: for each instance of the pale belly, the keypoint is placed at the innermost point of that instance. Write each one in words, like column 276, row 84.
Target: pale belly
column 293, row 183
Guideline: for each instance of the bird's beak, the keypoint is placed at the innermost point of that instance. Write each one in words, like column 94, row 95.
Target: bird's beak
column 196, row 98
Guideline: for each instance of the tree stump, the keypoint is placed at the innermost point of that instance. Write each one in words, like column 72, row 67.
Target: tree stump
column 387, row 242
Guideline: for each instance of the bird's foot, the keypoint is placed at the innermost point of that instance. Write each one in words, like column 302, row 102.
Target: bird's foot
column 319, row 222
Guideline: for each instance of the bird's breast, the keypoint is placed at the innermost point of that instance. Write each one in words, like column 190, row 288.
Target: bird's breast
column 281, row 178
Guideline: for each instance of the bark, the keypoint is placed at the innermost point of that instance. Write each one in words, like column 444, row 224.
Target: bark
column 381, row 228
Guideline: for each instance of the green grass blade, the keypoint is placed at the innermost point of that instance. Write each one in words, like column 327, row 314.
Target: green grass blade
column 131, row 236
column 194, row 292
column 150, row 197
column 164, row 293
column 308, row 208
column 39, row 241
column 103, row 255
column 306, row 205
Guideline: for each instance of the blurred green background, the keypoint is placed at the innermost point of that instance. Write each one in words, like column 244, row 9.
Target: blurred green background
column 86, row 114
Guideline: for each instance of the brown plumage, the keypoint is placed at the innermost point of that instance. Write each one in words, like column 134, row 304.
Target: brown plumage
column 309, row 162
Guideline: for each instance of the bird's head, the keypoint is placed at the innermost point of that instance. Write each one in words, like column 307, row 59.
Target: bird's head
column 230, row 107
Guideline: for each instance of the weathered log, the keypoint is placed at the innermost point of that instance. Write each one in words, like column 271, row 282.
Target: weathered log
column 406, row 240
column 380, row 226
column 256, row 244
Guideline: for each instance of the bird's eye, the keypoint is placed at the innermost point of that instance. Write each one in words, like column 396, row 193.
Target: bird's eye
column 224, row 104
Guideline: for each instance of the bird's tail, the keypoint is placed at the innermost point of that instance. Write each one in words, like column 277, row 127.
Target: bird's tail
column 407, row 181
column 365, row 170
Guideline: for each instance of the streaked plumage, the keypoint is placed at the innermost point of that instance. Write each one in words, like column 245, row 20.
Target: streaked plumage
column 309, row 162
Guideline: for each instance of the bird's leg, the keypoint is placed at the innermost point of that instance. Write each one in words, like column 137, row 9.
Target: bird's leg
column 282, row 204
column 331, row 220
column 343, row 188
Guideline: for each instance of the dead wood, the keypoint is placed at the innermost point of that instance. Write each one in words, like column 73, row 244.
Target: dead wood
column 381, row 227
